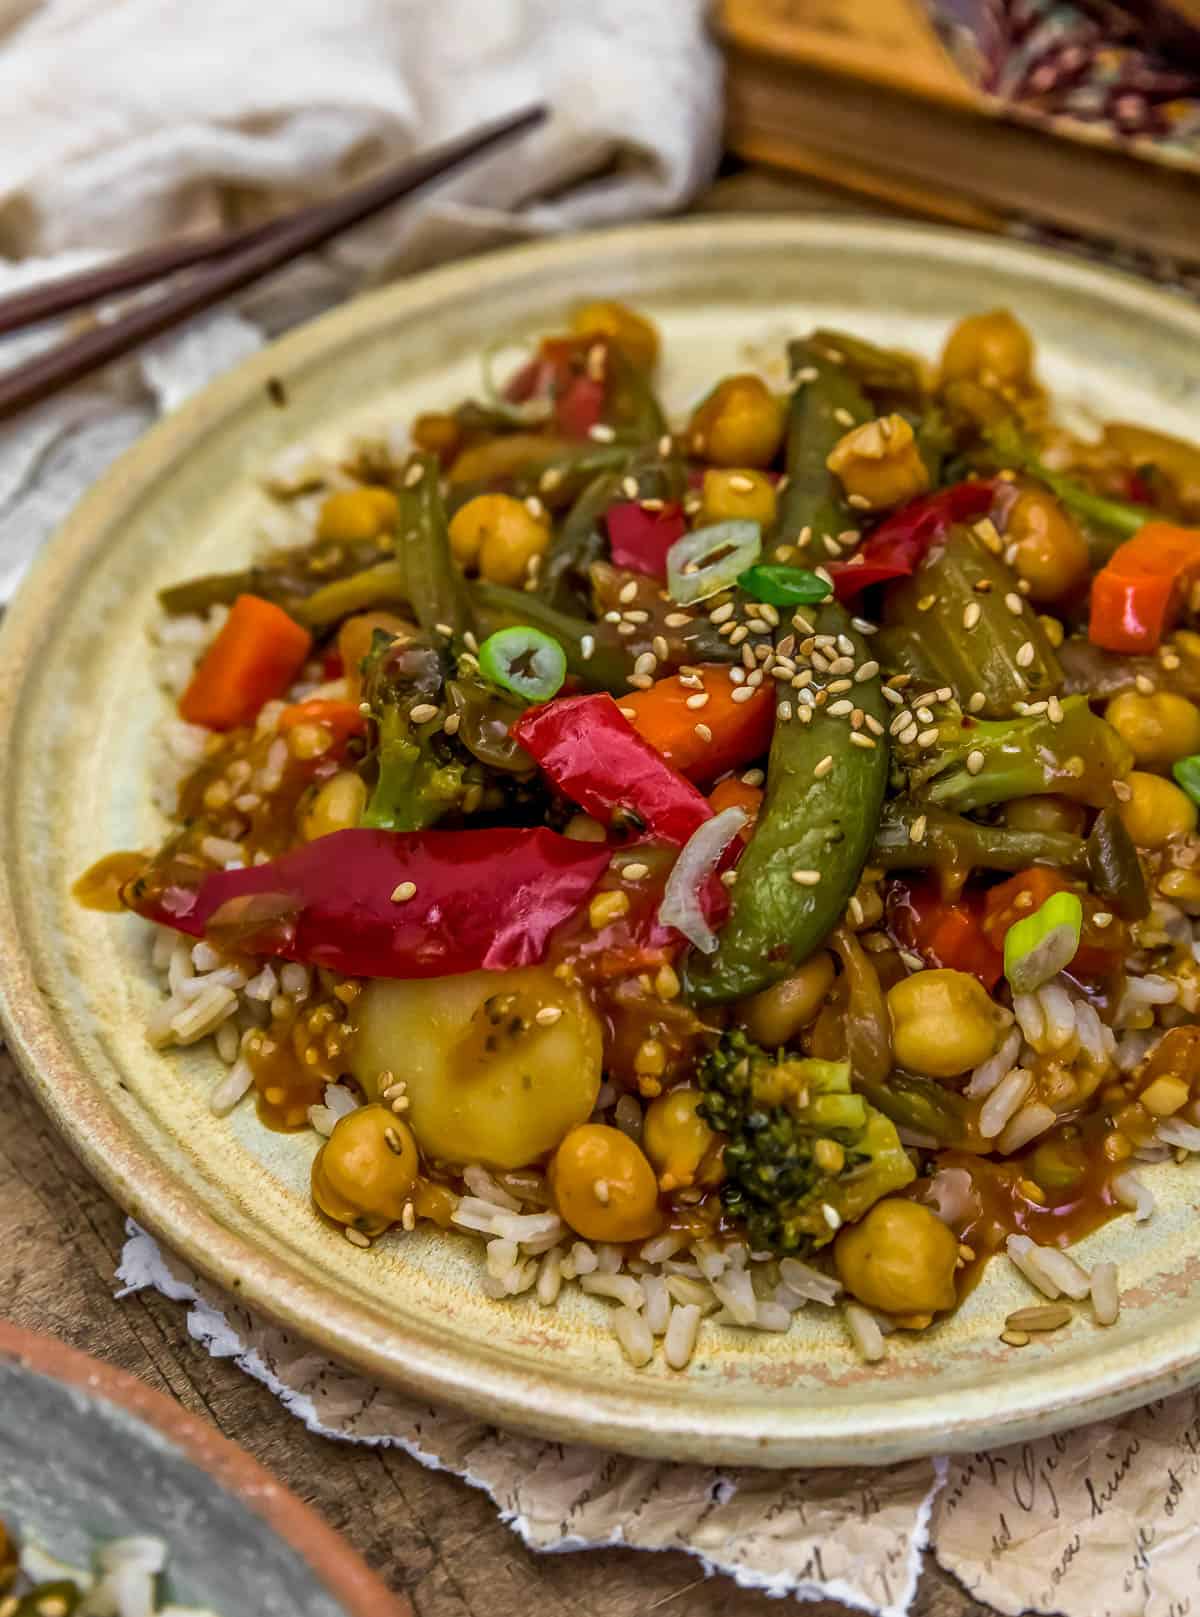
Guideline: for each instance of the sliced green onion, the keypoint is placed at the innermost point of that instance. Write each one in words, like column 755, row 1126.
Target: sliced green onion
column 710, row 560
column 784, row 586
column 524, row 661
column 1039, row 946
column 1187, row 773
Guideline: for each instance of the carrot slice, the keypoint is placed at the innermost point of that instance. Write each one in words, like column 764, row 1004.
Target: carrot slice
column 709, row 739
column 734, row 793
column 256, row 656
column 343, row 719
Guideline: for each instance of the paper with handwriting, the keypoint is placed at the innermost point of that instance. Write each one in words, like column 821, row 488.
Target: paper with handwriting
column 1103, row 1522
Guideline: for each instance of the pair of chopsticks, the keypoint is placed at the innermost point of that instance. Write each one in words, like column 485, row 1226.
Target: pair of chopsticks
column 228, row 261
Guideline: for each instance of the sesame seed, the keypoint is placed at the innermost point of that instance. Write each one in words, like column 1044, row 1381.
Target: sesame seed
column 550, row 479
column 1025, row 654
column 646, row 663
column 422, row 713
column 700, row 699
column 894, row 697
column 907, row 737
column 536, row 510
column 808, row 373
column 444, row 628
column 926, row 601
column 873, row 724
column 927, row 738
column 1014, row 603
column 600, row 1191
column 972, row 613
column 839, row 685
column 820, row 770
column 843, row 417
column 402, row 893
column 784, row 712
column 738, row 674
column 625, row 629
column 356, row 1237
column 665, row 445
column 845, row 645
column 900, row 722
column 925, row 715
column 653, row 504
column 741, row 483
column 728, row 877
column 739, row 634
column 916, row 831
column 660, row 647
column 804, row 537
column 1102, row 918
column 857, row 739
column 629, row 488
column 1122, row 791
column 859, row 502
column 451, row 724
column 722, row 613
column 753, row 777
column 806, row 878
column 975, row 762
column 628, row 712
column 601, row 433
column 837, row 709
column 768, row 612
column 703, row 731
column 634, row 871
column 1169, row 659
column 612, row 616
column 743, row 693
column 676, row 620
column 831, row 545
column 628, row 592
column 977, row 702
column 1144, row 684
column 866, row 671
column 1017, row 1339
column 413, row 475
column 641, row 682
column 1024, row 586
column 944, row 694
column 587, row 645
column 1054, row 710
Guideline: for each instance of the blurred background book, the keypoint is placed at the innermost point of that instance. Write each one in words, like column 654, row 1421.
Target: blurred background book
column 1069, row 122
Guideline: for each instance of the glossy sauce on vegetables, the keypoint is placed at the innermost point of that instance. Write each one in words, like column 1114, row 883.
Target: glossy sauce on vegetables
column 99, row 888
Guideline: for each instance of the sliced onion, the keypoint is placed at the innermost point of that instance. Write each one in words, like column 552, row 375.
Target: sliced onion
column 691, row 576
column 681, row 901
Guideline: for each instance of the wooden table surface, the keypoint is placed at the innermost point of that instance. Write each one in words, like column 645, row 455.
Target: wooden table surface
column 424, row 1532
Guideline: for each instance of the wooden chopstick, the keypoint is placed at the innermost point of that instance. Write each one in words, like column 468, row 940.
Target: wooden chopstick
column 271, row 247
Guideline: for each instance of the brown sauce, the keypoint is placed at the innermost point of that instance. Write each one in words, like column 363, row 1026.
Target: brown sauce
column 99, row 888
column 302, row 1050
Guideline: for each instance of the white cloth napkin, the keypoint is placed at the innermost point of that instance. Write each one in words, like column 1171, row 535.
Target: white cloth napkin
column 122, row 121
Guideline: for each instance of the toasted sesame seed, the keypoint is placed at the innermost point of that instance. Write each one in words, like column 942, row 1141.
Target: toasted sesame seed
column 1144, row 684
column 926, row 601
column 703, row 731
column 1054, row 710
column 894, row 697
column 629, row 488
column 901, row 721
column 804, row 537
column 873, row 724
column 646, row 663
column 864, row 626
column 699, row 700
column 945, row 693
column 866, row 671
column 660, row 648
column 837, row 685
column 908, row 736
column 832, row 547
column 628, row 712
column 857, row 739
column 587, row 645
column 550, row 479
column 402, row 893
column 859, row 502
column 665, row 445
column 444, row 628
column 784, row 712
column 624, row 629
column 753, row 777
column 977, row 702
column 972, row 613
column 925, row 715
column 916, row 831
column 600, row 1191
column 739, row 634
column 741, row 483
column 843, row 417
column 356, row 1237
column 1025, row 654
column 1122, row 791
column 722, row 613
column 743, row 693
column 422, row 713
column 413, row 475
column 536, row 510
column 807, row 373
column 837, row 709
column 1014, row 603
column 640, row 682
column 975, row 762
column 845, row 645
column 842, row 665
column 451, row 723
column 677, row 620
column 1102, row 918
column 628, row 592
column 806, row 878
column 600, row 432
column 927, row 738
column 1017, row 1339
column 635, row 870
column 1169, row 659
column 821, row 769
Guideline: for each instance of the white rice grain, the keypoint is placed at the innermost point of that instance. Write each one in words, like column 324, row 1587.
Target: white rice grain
column 229, row 1089
column 1032, row 1120
column 692, row 1292
column 264, row 986
column 620, row 1288
column 682, row 1331
column 522, row 1227
column 609, row 1258
column 205, row 1013
column 1067, row 1275
column 1026, row 1256
column 1132, row 1193
column 772, row 1316
column 1106, row 1296
column 322, row 1120
column 294, row 979
column 1058, row 1011
column 550, row 1277
column 339, row 1100
column 583, row 1259
column 809, row 1283
column 865, row 1332
column 480, row 1183
column 1028, row 1010
column 660, row 1247
column 735, row 1292
column 986, row 1076
column 1174, row 1131
column 657, row 1302
column 633, row 1334
column 1003, row 1102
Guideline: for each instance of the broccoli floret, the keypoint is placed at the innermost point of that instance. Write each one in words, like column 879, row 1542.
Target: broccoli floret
column 419, row 777
column 803, row 1153
column 975, row 762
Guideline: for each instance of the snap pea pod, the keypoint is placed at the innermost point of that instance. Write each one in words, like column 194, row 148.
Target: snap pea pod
column 813, row 835
column 893, row 375
column 957, row 607
column 915, row 836
column 596, row 654
column 813, row 497
column 563, row 579
column 1114, row 869
column 436, row 588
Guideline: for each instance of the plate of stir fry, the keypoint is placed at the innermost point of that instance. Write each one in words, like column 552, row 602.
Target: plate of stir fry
column 656, row 835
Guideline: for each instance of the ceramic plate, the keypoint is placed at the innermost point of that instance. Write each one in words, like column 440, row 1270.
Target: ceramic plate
column 78, row 709
column 89, row 1454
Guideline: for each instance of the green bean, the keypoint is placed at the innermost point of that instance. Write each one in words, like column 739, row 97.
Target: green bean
column 385, row 584
column 823, row 407
column 885, row 371
column 1114, row 869
column 916, row 836
column 813, row 835
column 563, row 580
column 436, row 587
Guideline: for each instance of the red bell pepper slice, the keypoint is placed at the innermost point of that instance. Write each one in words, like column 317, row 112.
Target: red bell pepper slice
column 558, row 370
column 639, row 539
column 901, row 541
column 592, row 753
column 1137, row 594
column 948, row 934
column 481, row 900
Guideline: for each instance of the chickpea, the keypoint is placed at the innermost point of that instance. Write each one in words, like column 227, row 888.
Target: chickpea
column 1046, row 813
column 355, row 638
column 632, row 333
column 1173, row 458
column 603, row 1185
column 357, row 513
column 1051, row 555
column 899, row 1258
column 499, row 535
column 742, row 493
column 740, row 423
column 1159, row 728
column 879, row 462
column 1156, row 810
column 337, row 806
column 365, row 1172
column 992, row 348
column 776, row 1014
column 943, row 1022
column 676, row 1138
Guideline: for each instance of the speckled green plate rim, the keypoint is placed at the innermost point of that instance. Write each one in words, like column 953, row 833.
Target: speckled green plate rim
column 671, row 1417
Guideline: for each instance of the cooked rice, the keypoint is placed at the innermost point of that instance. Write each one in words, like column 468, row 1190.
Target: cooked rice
column 679, row 1341
column 1106, row 1296
column 1028, row 1258
column 864, row 1331
column 1132, row 1193
column 1002, row 1103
